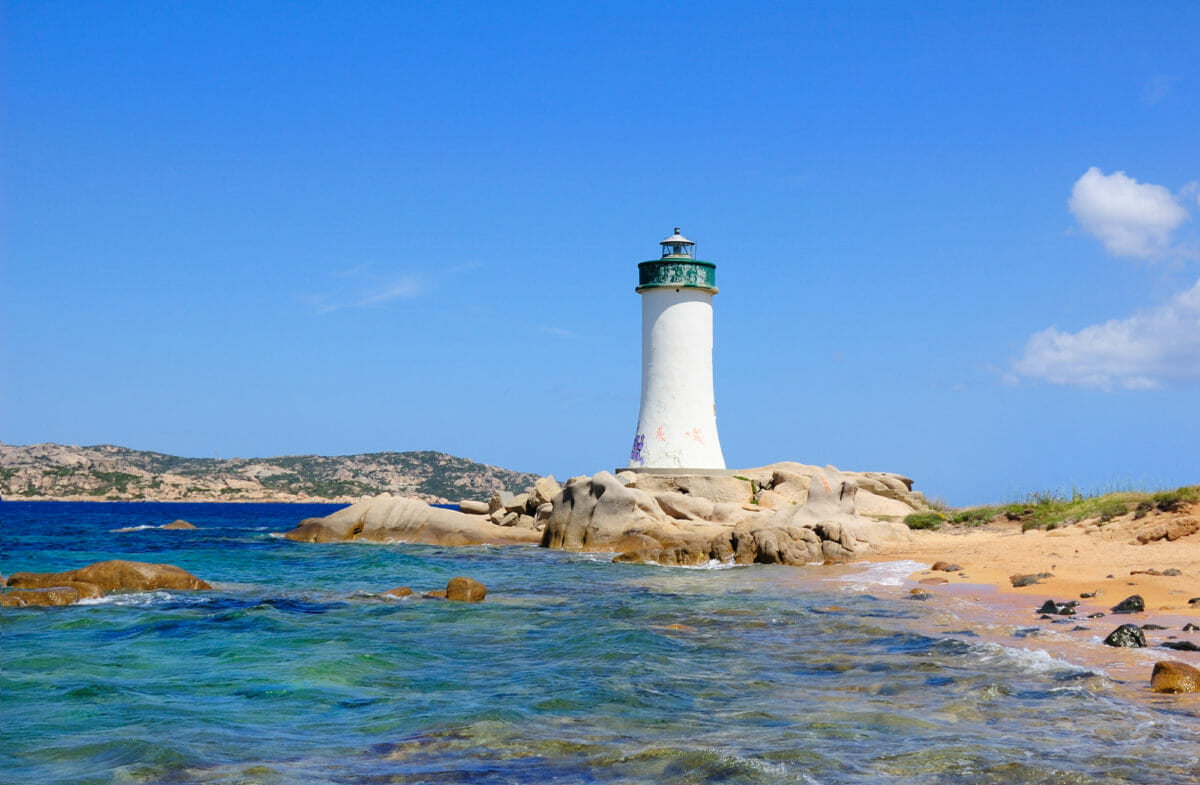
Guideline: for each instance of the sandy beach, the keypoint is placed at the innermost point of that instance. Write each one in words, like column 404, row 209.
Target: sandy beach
column 1107, row 562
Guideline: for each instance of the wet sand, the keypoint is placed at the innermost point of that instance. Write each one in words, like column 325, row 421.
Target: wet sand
column 1105, row 561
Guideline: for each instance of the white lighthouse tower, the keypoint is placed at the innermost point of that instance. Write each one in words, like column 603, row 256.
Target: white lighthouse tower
column 677, row 425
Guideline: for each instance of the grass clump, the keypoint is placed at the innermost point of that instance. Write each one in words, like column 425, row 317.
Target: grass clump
column 1050, row 509
column 925, row 520
column 1171, row 501
column 975, row 516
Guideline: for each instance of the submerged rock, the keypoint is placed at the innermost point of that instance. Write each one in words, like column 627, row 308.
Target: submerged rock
column 57, row 596
column 1180, row 645
column 1170, row 676
column 180, row 524
column 1127, row 635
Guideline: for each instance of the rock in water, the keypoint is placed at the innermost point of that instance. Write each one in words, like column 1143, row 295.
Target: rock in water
column 463, row 589
column 1180, row 645
column 1132, row 604
column 1127, row 635
column 1170, row 676
column 59, row 595
column 177, row 525
column 116, row 575
column 399, row 591
column 387, row 518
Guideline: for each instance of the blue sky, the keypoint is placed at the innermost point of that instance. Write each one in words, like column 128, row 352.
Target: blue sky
column 957, row 241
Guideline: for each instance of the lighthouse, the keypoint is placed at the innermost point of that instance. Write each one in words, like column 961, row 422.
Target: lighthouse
column 677, row 424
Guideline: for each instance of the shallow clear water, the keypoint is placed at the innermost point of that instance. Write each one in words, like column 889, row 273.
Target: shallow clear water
column 574, row 670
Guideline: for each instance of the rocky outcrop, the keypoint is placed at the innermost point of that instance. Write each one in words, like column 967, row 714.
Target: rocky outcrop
column 786, row 513
column 1170, row 530
column 694, row 519
column 387, row 518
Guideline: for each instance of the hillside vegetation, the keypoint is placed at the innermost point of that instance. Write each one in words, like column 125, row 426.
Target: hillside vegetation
column 107, row 472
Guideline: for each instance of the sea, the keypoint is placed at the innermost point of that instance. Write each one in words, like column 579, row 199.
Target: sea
column 296, row 668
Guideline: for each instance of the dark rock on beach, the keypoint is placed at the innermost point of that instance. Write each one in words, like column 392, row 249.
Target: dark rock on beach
column 1028, row 580
column 1180, row 645
column 1170, row 676
column 1127, row 635
column 1189, row 627
column 943, row 566
column 1131, row 604
column 1058, row 608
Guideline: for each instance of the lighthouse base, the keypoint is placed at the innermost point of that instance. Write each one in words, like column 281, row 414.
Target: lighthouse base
column 678, row 472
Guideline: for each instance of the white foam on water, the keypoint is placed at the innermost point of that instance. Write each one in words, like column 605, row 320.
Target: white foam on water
column 888, row 573
column 133, row 529
column 712, row 564
column 1031, row 660
column 137, row 599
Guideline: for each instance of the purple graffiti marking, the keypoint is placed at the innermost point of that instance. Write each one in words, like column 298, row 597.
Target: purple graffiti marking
column 639, row 444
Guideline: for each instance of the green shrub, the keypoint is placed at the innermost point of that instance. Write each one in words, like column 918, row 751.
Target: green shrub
column 925, row 520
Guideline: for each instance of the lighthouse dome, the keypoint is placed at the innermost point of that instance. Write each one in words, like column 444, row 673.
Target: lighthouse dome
column 677, row 245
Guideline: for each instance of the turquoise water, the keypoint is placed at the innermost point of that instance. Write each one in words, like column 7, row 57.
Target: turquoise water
column 574, row 670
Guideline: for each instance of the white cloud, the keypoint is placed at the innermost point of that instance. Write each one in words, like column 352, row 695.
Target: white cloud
column 1130, row 218
column 1136, row 353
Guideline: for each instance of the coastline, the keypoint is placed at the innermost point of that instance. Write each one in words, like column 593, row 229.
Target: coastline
column 93, row 499
column 1103, row 561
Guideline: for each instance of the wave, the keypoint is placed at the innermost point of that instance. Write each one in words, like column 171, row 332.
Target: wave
column 890, row 573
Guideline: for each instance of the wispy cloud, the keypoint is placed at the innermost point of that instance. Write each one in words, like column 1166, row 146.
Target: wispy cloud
column 1129, row 218
column 558, row 331
column 365, row 290
column 1135, row 353
column 1157, row 89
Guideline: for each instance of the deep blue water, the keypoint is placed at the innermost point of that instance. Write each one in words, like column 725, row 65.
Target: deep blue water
column 574, row 670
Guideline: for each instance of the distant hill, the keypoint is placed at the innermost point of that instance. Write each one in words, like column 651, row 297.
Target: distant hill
column 106, row 472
